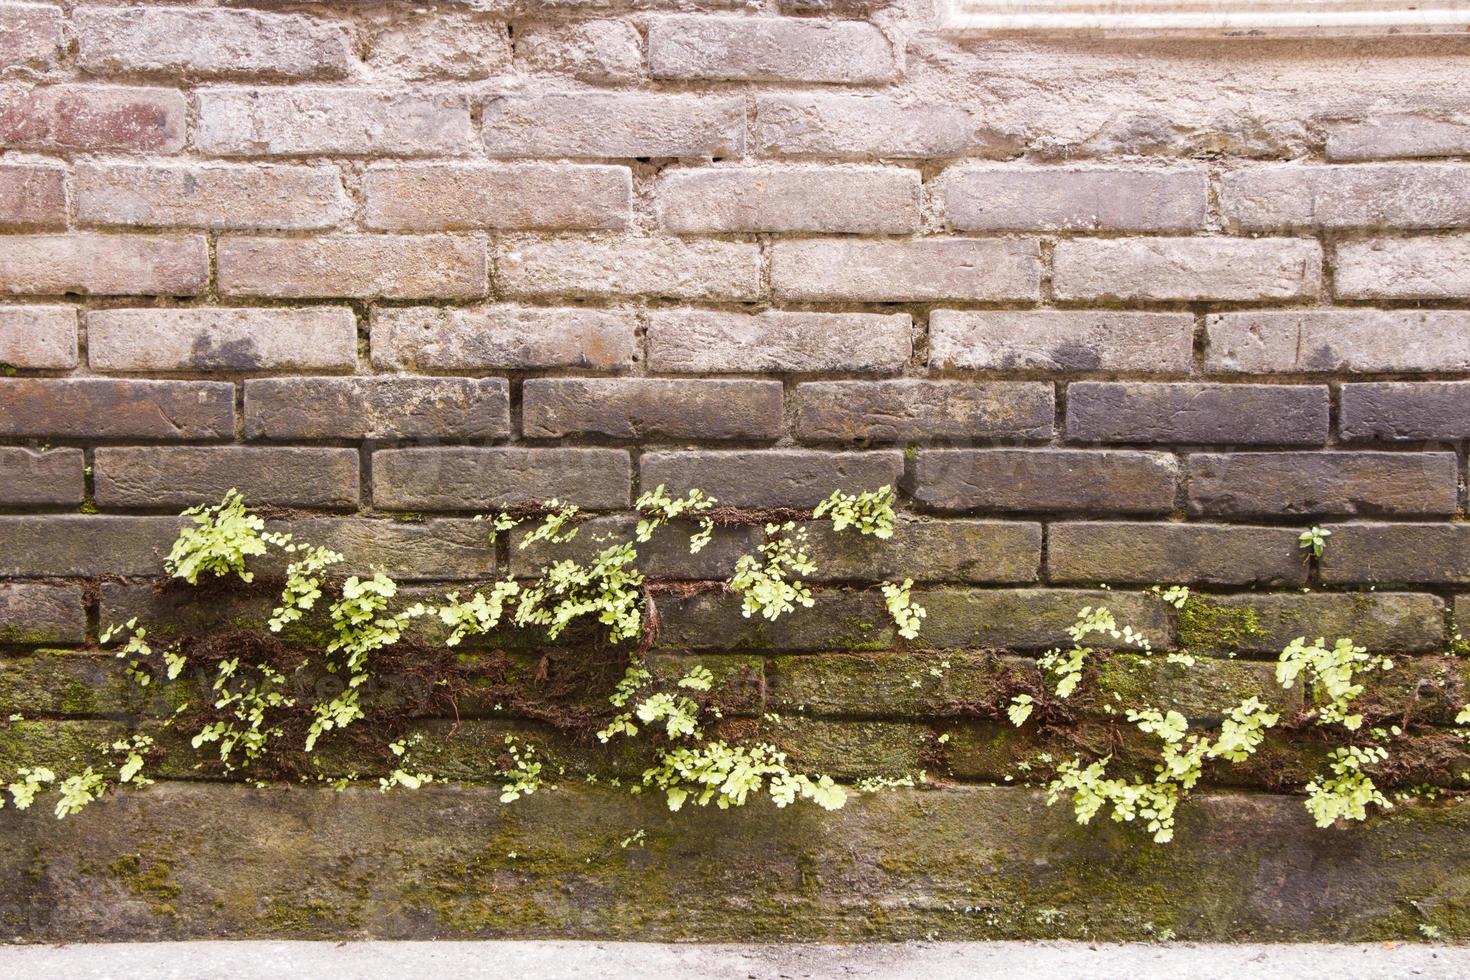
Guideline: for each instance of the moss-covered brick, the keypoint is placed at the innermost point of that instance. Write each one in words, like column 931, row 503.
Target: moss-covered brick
column 1265, row 624
column 930, row 551
column 33, row 613
column 839, row 620
column 664, row 556
column 1031, row 619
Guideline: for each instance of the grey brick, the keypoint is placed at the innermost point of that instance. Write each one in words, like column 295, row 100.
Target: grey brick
column 377, row 408
column 103, row 265
column 85, row 545
column 1075, row 199
column 36, row 613
column 453, row 197
column 868, row 200
column 1316, row 196
column 364, row 266
column 1030, row 619
column 613, row 125
column 629, row 267
column 183, row 476
column 430, row 338
column 712, row 341
column 1324, row 483
column 94, row 408
column 1338, row 341
column 713, row 621
column 898, row 271
column 1434, row 267
column 651, row 408
column 1046, row 480
column 929, row 551
column 472, row 479
column 1406, row 412
column 769, row 49
column 858, row 127
column 1389, row 553
column 212, row 339
column 1402, row 135
column 1266, row 624
column 32, row 195
column 664, row 556
column 1283, row 415
column 1180, row 269
column 319, row 121
column 1060, row 340
column 216, row 195
column 38, row 336
column 40, row 477
column 1206, row 554
column 770, row 477
column 920, row 411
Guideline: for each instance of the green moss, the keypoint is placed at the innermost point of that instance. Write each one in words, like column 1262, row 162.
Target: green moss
column 1206, row 625
column 151, row 882
column 312, row 917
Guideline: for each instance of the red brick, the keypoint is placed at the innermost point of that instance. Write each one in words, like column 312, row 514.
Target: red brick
column 91, row 117
column 33, row 196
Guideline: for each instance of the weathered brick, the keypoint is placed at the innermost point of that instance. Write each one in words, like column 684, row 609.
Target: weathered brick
column 1395, row 412
column 1404, row 136
column 665, row 555
column 1266, row 624
column 94, row 408
column 1315, row 196
column 426, row 43
column 608, row 124
column 1163, row 269
column 931, row 269
column 366, row 266
column 30, row 35
column 870, row 200
column 713, row 621
column 1073, row 199
column 1280, row 415
column 431, row 338
column 1357, row 483
column 91, row 117
column 1042, row 480
column 308, row 121
column 432, row 549
column 590, row 51
column 31, row 613
column 866, row 127
column 1388, row 553
column 1031, row 619
column 1208, row 554
column 711, row 341
column 929, row 551
column 96, row 264
column 209, row 196
column 629, row 266
column 32, row 195
column 472, row 479
column 1060, row 340
column 38, row 336
column 85, row 545
column 322, row 338
column 49, row 476
column 449, row 197
column 651, row 408
column 377, row 408
column 921, row 411
column 1435, row 267
column 770, row 477
column 1338, row 341
column 208, row 43
column 183, row 476
column 769, row 49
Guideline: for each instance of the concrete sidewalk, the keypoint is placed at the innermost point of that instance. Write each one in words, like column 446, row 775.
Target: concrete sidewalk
column 920, row 961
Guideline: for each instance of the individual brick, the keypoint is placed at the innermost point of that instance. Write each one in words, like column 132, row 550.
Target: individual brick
column 1397, row 412
column 322, row 338
column 32, row 195
column 434, row 549
column 1281, row 415
column 470, row 479
column 35, row 613
column 1389, row 553
column 85, row 545
column 91, row 117
column 431, row 338
column 770, row 477
column 1434, row 267
column 1060, row 340
column 665, row 555
column 912, row 410
column 451, row 197
column 857, row 127
column 1075, row 199
column 1356, row 483
column 1314, row 196
column 30, row 35
column 1403, row 136
column 183, row 476
column 613, row 125
column 651, row 408
column 1031, row 619
column 620, row 266
column 866, row 200
column 365, row 266
column 713, row 621
column 219, row 195
column 1338, row 341
column 1205, row 554
column 103, row 265
column 308, row 121
column 31, row 477
column 782, row 49
column 377, row 408
column 1042, row 480
column 38, row 336
column 1186, row 269
column 1266, row 624
column 713, row 341
column 993, row 270
column 426, row 43
column 208, row 43
column 978, row 552
column 96, row 408
column 589, row 51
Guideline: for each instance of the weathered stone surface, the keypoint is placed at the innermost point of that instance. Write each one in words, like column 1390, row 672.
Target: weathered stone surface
column 1436, row 267
column 30, row 35
column 308, row 121
column 107, row 265
column 92, row 117
column 432, row 549
column 976, row 552
column 480, row 479
column 713, row 621
column 769, row 49
column 1315, row 196
column 185, row 476
column 453, row 197
column 1046, row 480
column 1060, row 340
column 1162, row 269
column 930, row 269
column 665, row 267
column 863, row 127
column 867, row 200
column 1266, row 624
column 1280, row 415
column 35, row 613
column 428, row 338
column 56, row 682
column 665, row 555
column 40, row 477
column 38, row 336
column 922, row 411
column 1356, row 483
column 224, row 196
column 770, row 478
column 32, row 195
column 1073, row 199
column 85, row 545
column 590, row 51
column 1148, row 554
column 320, row 338
column 94, row 408
column 366, row 266
column 1031, row 619
column 613, row 124
column 432, row 43
column 712, row 341
column 1338, row 341
column 1390, row 553
column 1406, row 412
column 1401, row 135
column 376, row 408
column 651, row 408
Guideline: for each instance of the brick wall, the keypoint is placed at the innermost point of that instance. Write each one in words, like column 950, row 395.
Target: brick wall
column 1107, row 312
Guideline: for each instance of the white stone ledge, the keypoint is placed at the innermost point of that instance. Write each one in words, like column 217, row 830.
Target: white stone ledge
column 1201, row 17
